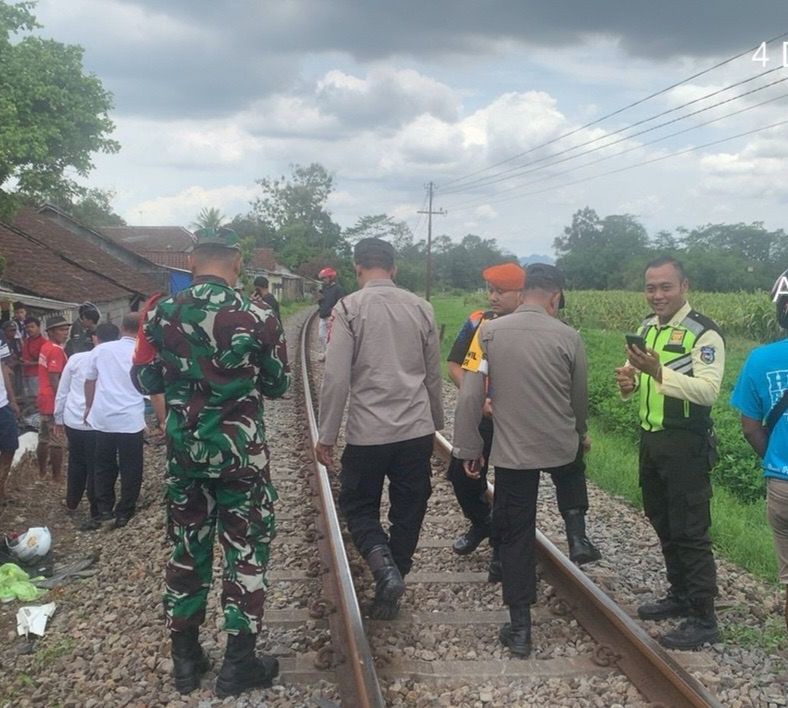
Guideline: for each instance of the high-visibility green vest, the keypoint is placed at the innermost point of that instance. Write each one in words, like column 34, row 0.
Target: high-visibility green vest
column 674, row 345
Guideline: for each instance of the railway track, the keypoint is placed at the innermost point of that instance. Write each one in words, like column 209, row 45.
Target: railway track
column 373, row 658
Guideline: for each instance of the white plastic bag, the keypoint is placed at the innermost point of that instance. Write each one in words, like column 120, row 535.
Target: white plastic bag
column 33, row 543
column 33, row 619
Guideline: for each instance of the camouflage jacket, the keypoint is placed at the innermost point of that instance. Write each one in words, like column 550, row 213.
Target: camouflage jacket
column 214, row 354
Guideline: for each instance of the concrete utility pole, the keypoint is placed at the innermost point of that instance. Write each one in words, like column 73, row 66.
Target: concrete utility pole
column 429, row 214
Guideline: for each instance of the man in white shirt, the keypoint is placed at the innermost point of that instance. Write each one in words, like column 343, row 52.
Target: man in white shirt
column 116, row 411
column 9, row 433
column 70, row 416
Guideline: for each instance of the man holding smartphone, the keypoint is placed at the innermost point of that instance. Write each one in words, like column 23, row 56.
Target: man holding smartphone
column 677, row 371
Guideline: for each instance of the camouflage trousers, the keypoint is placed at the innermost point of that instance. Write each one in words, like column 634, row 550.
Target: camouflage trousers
column 243, row 511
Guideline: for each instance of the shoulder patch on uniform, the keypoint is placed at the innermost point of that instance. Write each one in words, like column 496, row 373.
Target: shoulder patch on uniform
column 708, row 354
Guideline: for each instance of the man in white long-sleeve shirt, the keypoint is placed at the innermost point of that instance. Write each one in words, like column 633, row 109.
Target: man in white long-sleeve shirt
column 384, row 353
column 116, row 411
column 70, row 416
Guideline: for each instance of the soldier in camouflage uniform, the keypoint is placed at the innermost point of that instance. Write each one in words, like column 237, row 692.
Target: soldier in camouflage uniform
column 215, row 354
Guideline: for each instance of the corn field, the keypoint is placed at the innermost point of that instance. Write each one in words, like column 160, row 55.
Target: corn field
column 748, row 315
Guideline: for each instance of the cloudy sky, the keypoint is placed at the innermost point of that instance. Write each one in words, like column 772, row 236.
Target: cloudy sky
column 502, row 105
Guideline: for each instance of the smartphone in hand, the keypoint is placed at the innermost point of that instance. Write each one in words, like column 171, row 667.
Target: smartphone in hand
column 636, row 341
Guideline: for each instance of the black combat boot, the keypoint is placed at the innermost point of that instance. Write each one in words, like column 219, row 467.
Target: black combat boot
column 470, row 540
column 699, row 628
column 242, row 670
column 581, row 550
column 674, row 604
column 189, row 662
column 494, row 570
column 389, row 585
column 516, row 635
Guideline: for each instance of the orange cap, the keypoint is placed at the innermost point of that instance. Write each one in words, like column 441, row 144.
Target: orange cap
column 506, row 276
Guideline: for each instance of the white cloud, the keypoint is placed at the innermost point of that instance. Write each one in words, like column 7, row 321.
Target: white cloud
column 182, row 208
column 385, row 97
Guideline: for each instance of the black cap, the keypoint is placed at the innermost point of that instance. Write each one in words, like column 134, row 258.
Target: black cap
column 546, row 277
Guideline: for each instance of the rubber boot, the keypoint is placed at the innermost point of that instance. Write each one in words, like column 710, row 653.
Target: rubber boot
column 674, row 604
column 470, row 540
column 516, row 635
column 189, row 662
column 389, row 585
column 242, row 670
column 494, row 570
column 581, row 550
column 698, row 629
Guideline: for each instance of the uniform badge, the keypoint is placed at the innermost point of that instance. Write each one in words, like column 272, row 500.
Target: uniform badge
column 677, row 336
column 708, row 355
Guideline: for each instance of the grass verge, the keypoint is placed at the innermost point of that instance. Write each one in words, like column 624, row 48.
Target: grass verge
column 740, row 531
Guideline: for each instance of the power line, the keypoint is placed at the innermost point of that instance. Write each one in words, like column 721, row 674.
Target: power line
column 623, row 152
column 524, row 171
column 499, row 176
column 483, row 201
column 616, row 112
column 629, row 167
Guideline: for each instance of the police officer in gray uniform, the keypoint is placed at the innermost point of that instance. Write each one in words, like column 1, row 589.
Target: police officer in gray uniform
column 538, row 385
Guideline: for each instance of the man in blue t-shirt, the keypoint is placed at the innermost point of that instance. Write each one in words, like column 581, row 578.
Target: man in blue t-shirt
column 762, row 386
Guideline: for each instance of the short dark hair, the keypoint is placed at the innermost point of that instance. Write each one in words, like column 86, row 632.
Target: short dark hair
column 374, row 253
column 214, row 252
column 89, row 314
column 107, row 332
column 130, row 322
column 8, row 323
column 261, row 281
column 19, row 306
column 667, row 260
column 34, row 320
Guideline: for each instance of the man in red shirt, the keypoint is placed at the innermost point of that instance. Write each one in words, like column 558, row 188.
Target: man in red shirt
column 51, row 362
column 31, row 349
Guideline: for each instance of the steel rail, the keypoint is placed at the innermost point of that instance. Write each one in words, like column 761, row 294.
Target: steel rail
column 356, row 674
column 622, row 641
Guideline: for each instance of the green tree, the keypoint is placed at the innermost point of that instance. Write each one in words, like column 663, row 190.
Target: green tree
column 53, row 115
column 460, row 265
column 209, row 218
column 294, row 210
column 602, row 254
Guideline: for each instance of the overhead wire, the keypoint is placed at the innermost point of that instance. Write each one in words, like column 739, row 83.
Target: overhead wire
column 482, row 200
column 499, row 176
column 618, row 111
column 628, row 167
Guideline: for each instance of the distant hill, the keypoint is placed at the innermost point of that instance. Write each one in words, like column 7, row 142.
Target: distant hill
column 536, row 258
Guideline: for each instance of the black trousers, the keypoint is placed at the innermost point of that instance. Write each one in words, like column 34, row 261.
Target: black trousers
column 514, row 528
column 570, row 483
column 674, row 478
column 118, row 453
column 364, row 470
column 80, row 477
column 470, row 492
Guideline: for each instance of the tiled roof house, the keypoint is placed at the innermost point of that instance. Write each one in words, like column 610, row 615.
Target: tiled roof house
column 46, row 259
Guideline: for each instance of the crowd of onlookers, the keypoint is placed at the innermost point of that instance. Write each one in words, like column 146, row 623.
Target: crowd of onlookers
column 70, row 383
